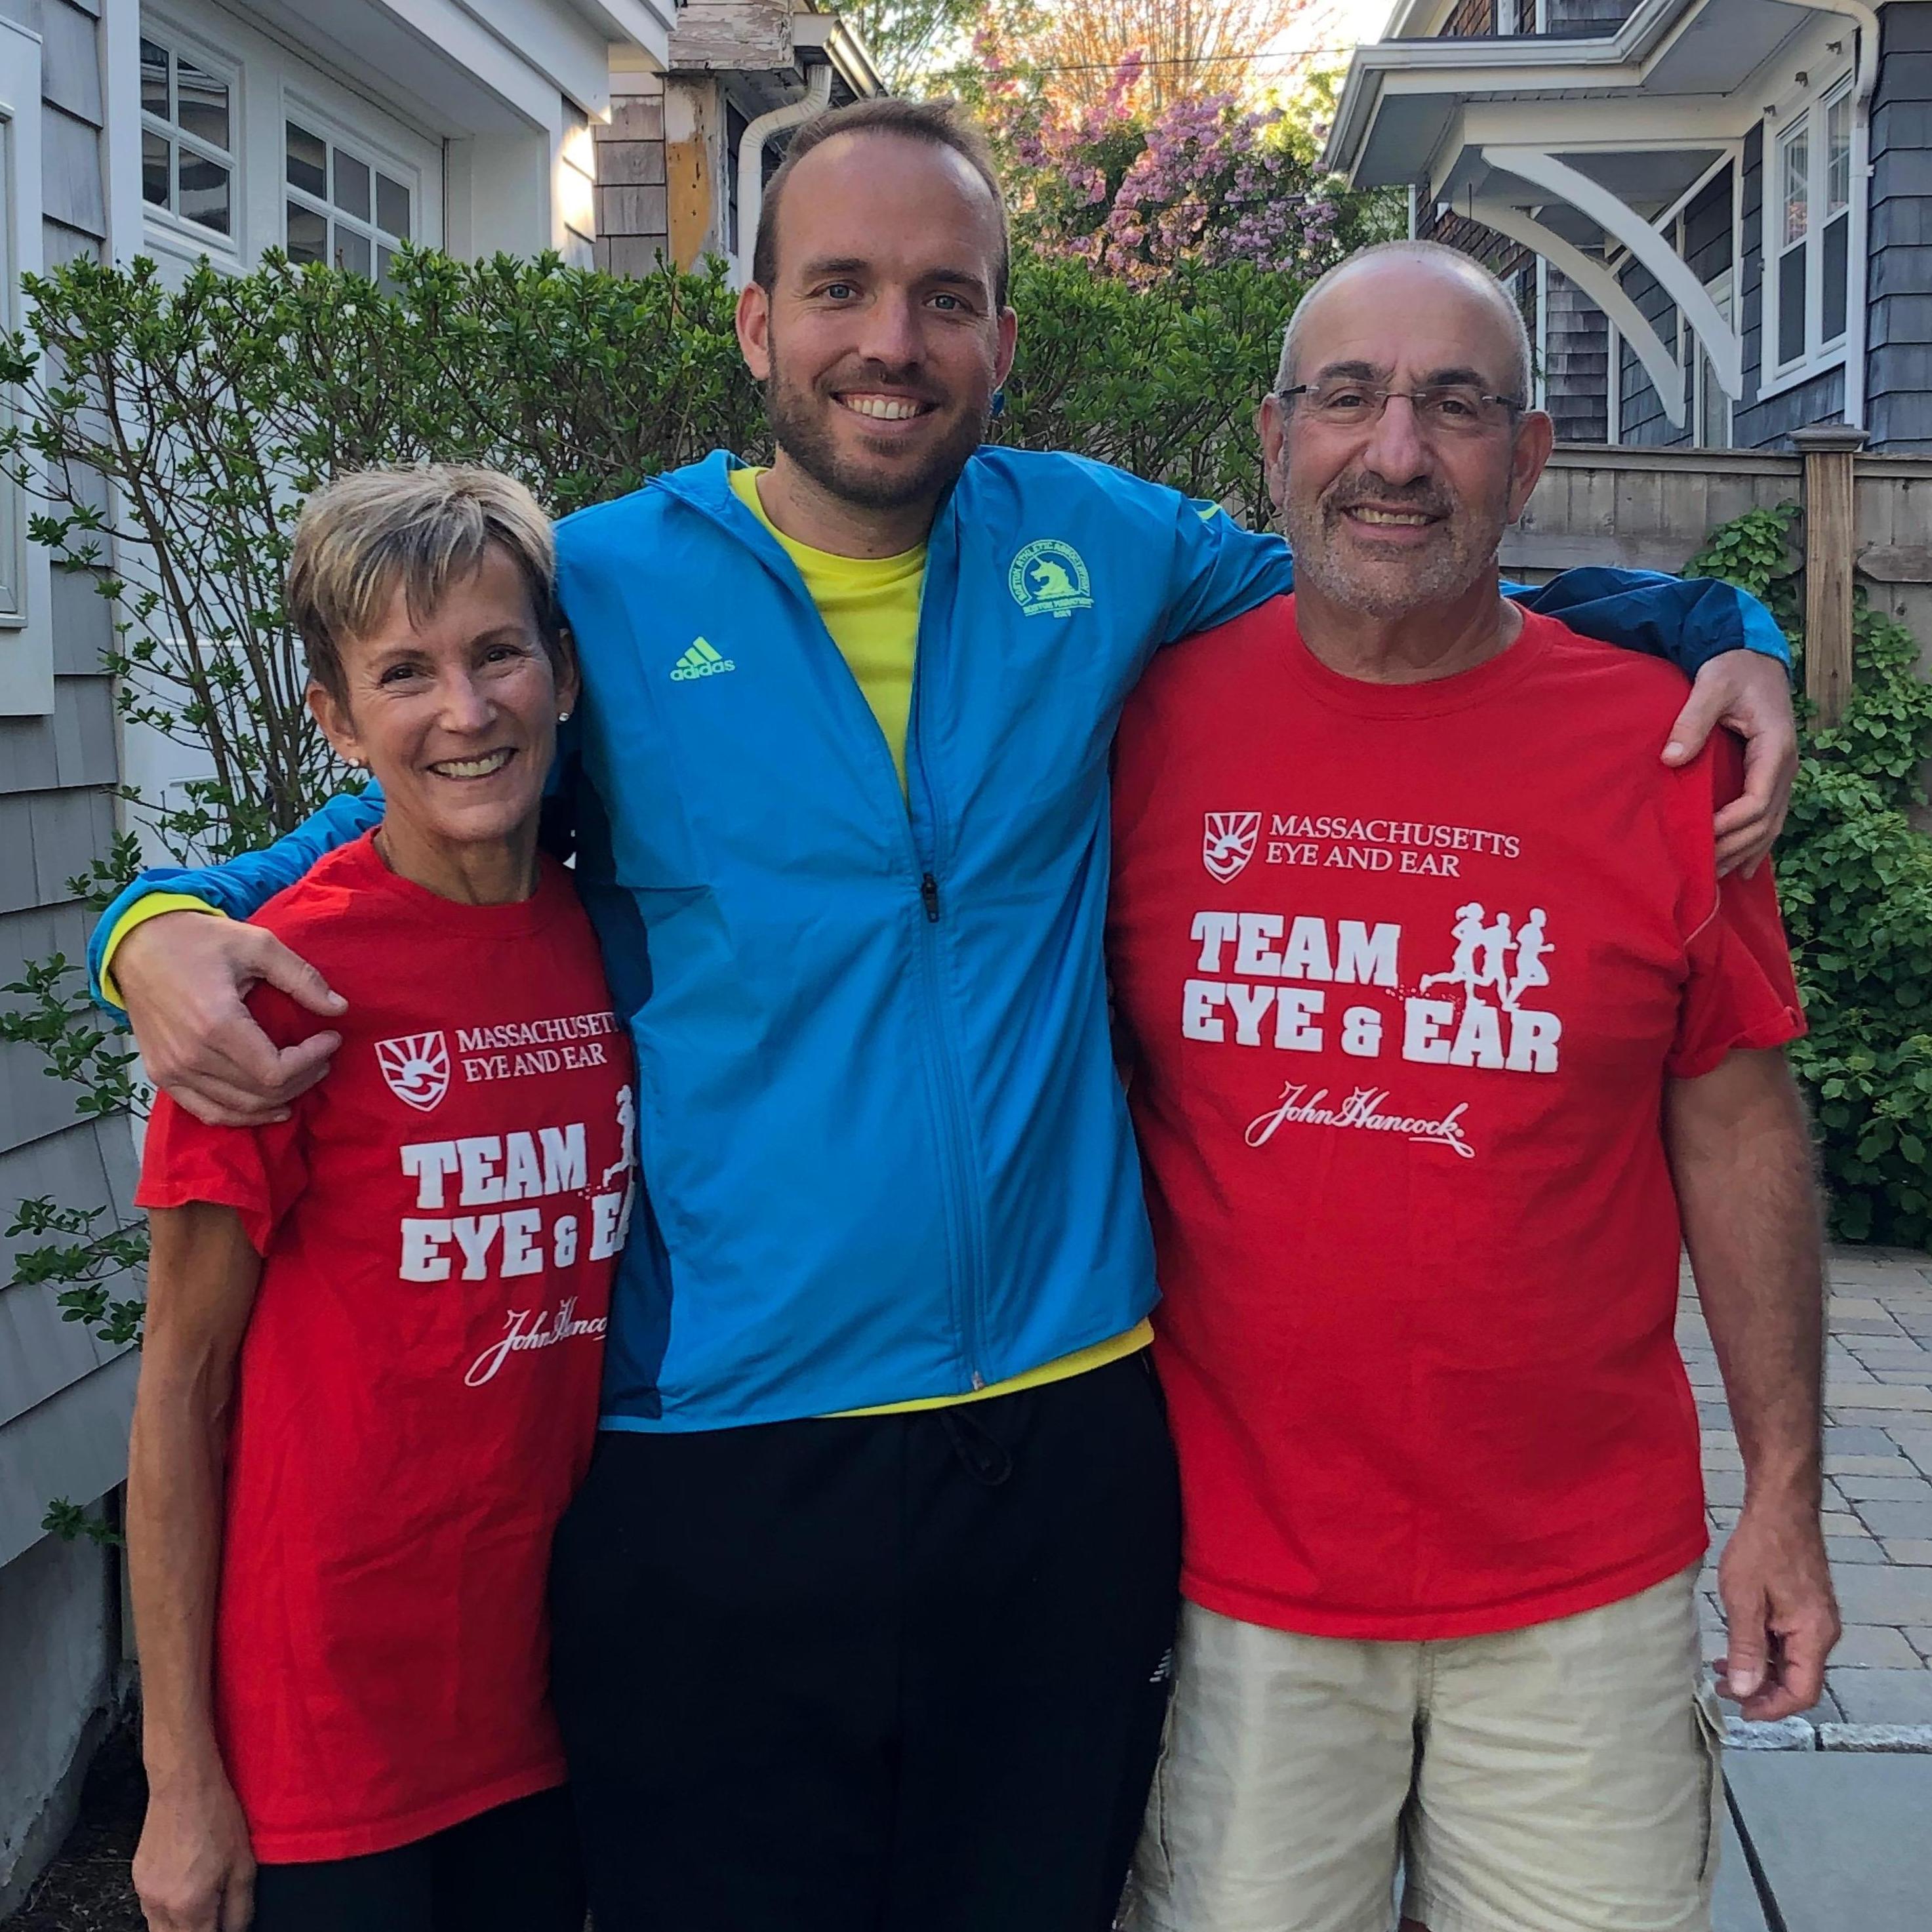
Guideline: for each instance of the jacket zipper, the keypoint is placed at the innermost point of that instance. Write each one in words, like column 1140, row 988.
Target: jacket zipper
column 956, row 1142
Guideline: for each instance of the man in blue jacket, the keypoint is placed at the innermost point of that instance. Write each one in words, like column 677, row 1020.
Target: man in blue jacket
column 862, row 1617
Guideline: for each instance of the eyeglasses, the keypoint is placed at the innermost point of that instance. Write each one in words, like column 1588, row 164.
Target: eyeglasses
column 1447, row 409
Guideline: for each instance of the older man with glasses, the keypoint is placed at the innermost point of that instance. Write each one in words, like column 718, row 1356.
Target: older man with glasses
column 1445, row 1031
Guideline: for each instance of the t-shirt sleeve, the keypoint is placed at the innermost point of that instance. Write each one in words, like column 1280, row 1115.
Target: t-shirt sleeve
column 258, row 1172
column 1741, row 993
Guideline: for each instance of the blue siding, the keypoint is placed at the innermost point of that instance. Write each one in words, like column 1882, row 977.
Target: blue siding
column 1898, row 254
column 1640, row 417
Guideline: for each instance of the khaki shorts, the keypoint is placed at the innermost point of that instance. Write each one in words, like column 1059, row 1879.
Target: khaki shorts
column 1563, row 1778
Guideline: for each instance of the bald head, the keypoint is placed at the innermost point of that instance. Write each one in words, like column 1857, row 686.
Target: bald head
column 1411, row 268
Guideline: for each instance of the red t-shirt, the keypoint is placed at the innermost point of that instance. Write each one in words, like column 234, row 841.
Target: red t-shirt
column 1404, row 969
column 438, row 1223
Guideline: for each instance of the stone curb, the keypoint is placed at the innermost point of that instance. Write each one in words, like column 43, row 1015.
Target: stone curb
column 1798, row 1734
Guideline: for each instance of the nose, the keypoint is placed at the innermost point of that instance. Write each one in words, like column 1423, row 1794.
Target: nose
column 890, row 335
column 1397, row 451
column 466, row 707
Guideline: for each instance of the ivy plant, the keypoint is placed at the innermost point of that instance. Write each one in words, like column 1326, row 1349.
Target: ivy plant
column 1855, row 877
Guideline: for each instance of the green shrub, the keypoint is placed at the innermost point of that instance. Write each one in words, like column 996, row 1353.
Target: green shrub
column 1855, row 877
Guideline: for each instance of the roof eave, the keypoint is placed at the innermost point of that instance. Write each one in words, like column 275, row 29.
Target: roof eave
column 1503, row 64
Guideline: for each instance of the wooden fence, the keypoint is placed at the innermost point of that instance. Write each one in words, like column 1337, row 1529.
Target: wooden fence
column 1651, row 509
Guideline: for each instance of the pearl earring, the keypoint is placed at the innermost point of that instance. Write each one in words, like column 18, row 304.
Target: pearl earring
column 563, row 717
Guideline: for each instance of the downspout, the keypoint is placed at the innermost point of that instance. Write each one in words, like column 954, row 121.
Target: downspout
column 752, row 158
column 1863, row 88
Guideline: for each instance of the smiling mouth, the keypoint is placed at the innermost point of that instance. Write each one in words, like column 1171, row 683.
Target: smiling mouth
column 885, row 408
column 1391, row 519
column 488, row 766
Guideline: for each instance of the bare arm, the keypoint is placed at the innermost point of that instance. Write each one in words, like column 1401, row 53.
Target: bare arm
column 1741, row 1156
column 183, row 977
column 194, row 1870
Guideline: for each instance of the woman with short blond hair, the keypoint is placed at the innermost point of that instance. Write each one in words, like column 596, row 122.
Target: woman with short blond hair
column 375, row 1327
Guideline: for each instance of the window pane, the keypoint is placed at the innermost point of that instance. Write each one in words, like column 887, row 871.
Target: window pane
column 204, row 190
column 351, row 250
column 384, row 260
column 308, row 234
column 308, row 162
column 154, row 80
column 155, row 169
column 201, row 104
column 1838, row 155
column 1790, row 305
column 392, row 207
column 352, row 185
column 1797, row 179
column 1835, row 267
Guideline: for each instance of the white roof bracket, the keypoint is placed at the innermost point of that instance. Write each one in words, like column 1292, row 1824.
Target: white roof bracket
column 1603, row 288
column 1618, row 218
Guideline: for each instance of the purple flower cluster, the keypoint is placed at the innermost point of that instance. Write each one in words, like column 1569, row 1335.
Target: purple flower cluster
column 1204, row 180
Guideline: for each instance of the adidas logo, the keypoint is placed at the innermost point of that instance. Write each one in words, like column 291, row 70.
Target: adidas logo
column 701, row 661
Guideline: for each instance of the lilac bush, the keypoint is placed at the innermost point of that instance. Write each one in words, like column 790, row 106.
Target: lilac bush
column 1135, row 196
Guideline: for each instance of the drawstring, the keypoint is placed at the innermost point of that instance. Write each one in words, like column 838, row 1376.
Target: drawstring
column 981, row 1455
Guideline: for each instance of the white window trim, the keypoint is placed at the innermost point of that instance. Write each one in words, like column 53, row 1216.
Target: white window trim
column 26, row 635
column 167, row 31
column 299, row 106
column 1722, row 288
column 1811, row 107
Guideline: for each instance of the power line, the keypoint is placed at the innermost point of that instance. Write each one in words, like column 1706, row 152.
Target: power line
column 1192, row 60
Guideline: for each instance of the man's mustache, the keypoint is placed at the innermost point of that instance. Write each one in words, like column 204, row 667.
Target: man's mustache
column 1369, row 492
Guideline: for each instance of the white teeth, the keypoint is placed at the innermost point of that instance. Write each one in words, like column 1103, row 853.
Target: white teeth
column 887, row 408
column 473, row 768
column 1368, row 516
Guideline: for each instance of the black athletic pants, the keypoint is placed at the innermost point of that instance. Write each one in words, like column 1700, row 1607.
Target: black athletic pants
column 901, row 1673
column 514, row 1869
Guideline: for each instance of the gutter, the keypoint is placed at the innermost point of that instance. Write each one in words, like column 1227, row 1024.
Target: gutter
column 752, row 158
column 831, row 34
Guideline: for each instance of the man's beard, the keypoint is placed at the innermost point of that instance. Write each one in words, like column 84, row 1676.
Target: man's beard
column 800, row 428
column 1464, row 551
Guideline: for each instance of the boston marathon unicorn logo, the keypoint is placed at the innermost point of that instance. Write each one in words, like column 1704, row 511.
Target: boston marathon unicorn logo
column 1048, row 579
column 416, row 1066
column 1227, row 842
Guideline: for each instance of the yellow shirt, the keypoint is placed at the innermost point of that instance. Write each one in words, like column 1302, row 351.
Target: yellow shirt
column 871, row 606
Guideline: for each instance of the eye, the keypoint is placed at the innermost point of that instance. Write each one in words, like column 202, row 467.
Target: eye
column 1456, row 404
column 396, row 674
column 949, row 302
column 1344, row 402
column 838, row 291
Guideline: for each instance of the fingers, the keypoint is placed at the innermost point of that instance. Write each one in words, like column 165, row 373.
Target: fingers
column 1747, row 1663
column 1698, row 718
column 238, row 1900
column 286, row 973
column 1747, row 827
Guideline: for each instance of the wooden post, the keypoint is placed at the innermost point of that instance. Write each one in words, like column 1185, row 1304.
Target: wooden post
column 1830, row 548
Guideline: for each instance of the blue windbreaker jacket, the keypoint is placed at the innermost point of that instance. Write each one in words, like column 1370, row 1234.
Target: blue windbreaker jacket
column 885, row 1152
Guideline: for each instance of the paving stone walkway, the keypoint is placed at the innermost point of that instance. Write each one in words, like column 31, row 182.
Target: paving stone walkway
column 1878, row 1480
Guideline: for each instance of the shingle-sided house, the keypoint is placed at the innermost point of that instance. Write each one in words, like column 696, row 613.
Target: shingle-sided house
column 181, row 128
column 1719, row 212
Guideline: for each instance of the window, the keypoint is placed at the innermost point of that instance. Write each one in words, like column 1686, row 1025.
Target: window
column 1794, row 172
column 188, row 140
column 1836, row 249
column 341, row 208
column 1808, row 233
column 26, row 630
